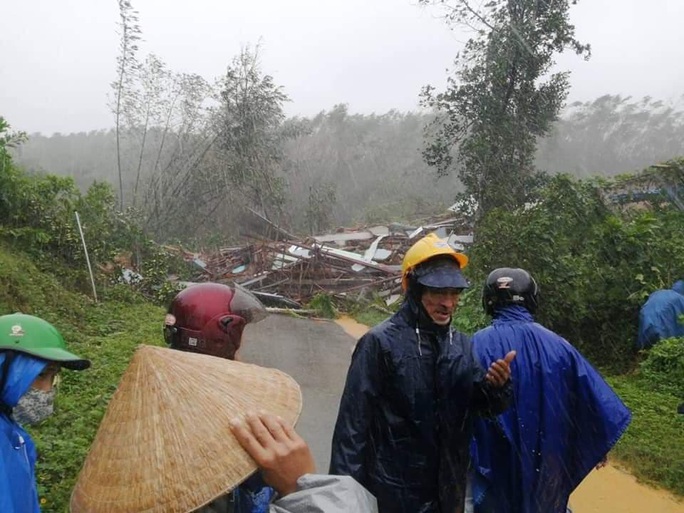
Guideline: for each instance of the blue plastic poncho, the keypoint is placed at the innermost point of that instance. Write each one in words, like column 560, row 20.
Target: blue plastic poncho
column 659, row 316
column 18, row 492
column 252, row 496
column 563, row 420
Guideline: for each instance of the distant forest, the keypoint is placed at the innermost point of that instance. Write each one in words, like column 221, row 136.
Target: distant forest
column 341, row 169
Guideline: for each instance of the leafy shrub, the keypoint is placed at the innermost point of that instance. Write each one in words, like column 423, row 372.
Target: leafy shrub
column 37, row 215
column 323, row 305
column 595, row 266
column 653, row 445
column 663, row 368
column 469, row 316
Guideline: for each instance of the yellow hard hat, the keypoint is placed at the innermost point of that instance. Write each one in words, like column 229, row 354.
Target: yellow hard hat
column 426, row 248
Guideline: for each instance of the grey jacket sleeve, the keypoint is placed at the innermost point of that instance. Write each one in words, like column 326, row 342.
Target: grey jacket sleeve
column 326, row 494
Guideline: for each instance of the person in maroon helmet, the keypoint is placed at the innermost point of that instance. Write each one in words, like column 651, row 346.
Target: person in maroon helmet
column 209, row 318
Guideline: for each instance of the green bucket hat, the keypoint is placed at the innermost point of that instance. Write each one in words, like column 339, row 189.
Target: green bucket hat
column 36, row 337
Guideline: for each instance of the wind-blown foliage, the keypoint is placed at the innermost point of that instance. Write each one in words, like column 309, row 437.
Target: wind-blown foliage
column 500, row 100
column 612, row 135
column 126, row 66
column 595, row 261
column 250, row 135
column 37, row 216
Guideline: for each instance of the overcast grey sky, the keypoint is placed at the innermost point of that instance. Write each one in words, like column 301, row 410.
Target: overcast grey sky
column 58, row 56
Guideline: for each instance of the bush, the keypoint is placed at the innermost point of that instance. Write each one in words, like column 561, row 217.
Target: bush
column 469, row 316
column 37, row 216
column 663, row 368
column 323, row 305
column 595, row 265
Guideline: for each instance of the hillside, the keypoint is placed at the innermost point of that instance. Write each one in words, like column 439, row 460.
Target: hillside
column 107, row 333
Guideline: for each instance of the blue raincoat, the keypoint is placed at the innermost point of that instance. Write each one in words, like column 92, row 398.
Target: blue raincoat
column 563, row 420
column 659, row 316
column 18, row 492
column 405, row 416
column 252, row 496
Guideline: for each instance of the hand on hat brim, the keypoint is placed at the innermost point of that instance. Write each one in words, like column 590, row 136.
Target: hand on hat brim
column 277, row 449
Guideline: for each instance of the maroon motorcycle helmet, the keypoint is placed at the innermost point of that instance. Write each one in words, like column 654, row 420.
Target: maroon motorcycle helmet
column 209, row 318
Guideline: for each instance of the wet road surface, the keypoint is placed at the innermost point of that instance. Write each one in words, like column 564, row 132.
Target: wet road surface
column 316, row 353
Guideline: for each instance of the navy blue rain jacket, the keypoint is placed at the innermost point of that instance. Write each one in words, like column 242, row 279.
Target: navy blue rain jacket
column 405, row 416
column 18, row 492
column 563, row 420
column 659, row 316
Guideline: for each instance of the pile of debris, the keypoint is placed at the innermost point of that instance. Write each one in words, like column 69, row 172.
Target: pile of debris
column 349, row 263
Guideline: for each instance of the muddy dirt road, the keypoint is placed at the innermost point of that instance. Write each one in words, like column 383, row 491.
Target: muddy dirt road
column 317, row 354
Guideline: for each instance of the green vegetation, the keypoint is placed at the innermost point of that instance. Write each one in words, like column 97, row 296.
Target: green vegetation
column 324, row 306
column 652, row 448
column 107, row 333
column 503, row 96
column 663, row 369
column 595, row 256
column 43, row 273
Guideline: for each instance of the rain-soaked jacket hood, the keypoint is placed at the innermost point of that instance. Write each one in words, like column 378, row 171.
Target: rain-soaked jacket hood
column 659, row 316
column 23, row 370
column 405, row 416
column 564, row 418
column 678, row 287
column 17, row 452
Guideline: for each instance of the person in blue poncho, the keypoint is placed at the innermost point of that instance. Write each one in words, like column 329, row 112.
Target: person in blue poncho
column 32, row 352
column 563, row 420
column 659, row 316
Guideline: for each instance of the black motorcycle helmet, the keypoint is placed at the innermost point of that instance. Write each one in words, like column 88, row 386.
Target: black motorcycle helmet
column 509, row 286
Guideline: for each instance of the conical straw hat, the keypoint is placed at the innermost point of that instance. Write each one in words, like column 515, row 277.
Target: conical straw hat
column 164, row 444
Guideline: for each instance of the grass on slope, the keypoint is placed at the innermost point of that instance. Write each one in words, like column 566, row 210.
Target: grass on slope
column 107, row 333
column 652, row 448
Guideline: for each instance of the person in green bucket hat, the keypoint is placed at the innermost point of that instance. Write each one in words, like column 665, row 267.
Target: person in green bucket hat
column 32, row 353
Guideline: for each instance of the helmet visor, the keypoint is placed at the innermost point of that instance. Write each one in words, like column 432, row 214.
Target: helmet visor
column 246, row 305
column 441, row 273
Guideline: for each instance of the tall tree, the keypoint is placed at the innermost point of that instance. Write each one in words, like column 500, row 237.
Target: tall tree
column 501, row 98
column 126, row 66
column 251, row 133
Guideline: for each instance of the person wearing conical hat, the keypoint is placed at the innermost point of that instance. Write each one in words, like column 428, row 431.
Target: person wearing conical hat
column 165, row 444
column 412, row 391
column 209, row 318
column 32, row 352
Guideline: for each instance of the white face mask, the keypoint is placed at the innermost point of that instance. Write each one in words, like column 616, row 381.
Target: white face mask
column 34, row 406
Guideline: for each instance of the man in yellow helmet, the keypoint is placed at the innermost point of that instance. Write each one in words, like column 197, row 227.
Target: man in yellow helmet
column 413, row 387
